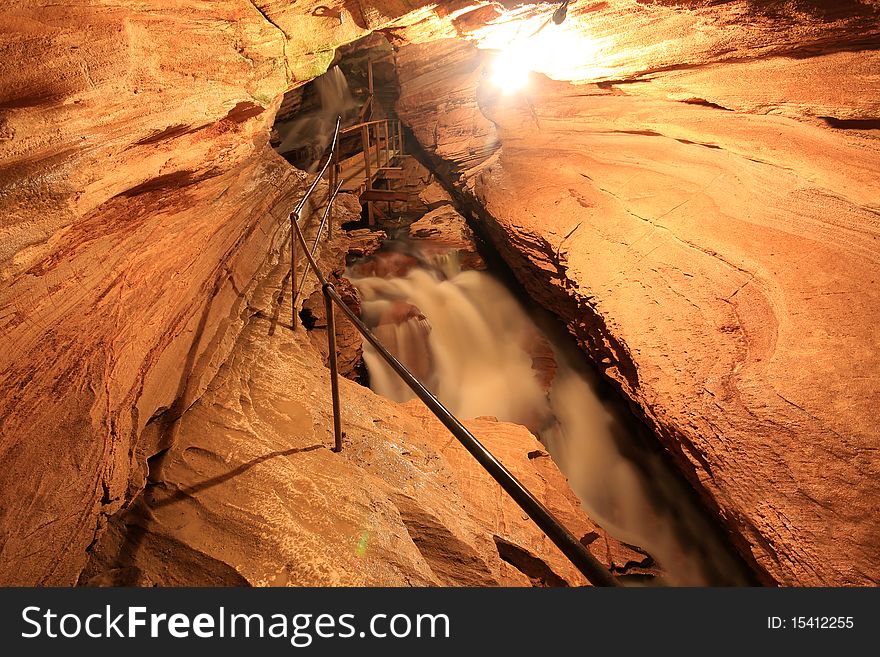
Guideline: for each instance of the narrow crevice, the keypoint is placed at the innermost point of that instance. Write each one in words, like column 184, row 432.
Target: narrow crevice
column 285, row 39
column 269, row 20
column 851, row 124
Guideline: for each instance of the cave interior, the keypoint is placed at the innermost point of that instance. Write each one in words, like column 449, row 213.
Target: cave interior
column 631, row 244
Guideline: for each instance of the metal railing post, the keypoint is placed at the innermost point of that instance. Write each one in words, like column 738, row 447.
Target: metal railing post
column 392, row 139
column 336, row 173
column 568, row 544
column 368, row 184
column 365, row 144
column 378, row 138
column 325, row 220
column 334, row 373
column 294, row 292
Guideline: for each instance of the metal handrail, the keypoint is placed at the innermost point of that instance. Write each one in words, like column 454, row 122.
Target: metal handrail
column 302, row 280
column 362, row 124
column 294, row 218
column 570, row 546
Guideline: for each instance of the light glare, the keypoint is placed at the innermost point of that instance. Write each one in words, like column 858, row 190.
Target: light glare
column 510, row 71
column 561, row 52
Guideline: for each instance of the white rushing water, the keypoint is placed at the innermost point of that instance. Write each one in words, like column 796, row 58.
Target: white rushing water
column 470, row 341
column 314, row 130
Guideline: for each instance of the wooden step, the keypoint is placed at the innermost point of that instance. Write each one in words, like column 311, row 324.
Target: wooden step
column 391, row 173
column 385, row 195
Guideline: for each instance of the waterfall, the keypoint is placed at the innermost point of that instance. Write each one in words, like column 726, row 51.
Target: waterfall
column 464, row 337
column 468, row 339
column 310, row 133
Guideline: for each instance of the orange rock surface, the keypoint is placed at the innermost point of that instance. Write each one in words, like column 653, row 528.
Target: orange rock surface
column 702, row 209
column 139, row 201
column 250, row 493
column 709, row 239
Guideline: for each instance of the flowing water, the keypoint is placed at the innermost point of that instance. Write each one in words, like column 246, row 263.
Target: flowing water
column 471, row 342
column 309, row 134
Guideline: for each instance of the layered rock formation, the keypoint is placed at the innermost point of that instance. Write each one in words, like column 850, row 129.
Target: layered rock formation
column 443, row 230
column 708, row 226
column 704, row 215
column 139, row 200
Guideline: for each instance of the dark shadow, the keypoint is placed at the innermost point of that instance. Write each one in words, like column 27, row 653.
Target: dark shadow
column 164, row 422
column 168, row 419
column 139, row 517
column 537, row 570
column 354, row 11
column 275, row 309
column 851, row 124
column 190, row 491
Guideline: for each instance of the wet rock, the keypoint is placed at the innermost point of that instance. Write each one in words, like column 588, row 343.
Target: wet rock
column 400, row 312
column 443, row 230
column 406, row 332
column 543, row 359
column 514, row 446
column 385, row 264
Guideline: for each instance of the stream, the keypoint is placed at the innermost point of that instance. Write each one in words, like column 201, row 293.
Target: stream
column 470, row 340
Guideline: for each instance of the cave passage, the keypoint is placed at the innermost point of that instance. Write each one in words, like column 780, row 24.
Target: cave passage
column 633, row 243
column 431, row 291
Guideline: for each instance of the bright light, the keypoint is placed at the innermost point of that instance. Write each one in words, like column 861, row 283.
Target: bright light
column 510, row 70
column 561, row 52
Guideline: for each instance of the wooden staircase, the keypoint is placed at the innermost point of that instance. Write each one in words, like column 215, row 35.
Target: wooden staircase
column 370, row 173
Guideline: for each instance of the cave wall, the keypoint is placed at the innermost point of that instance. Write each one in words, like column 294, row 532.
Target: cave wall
column 702, row 208
column 139, row 197
column 139, row 201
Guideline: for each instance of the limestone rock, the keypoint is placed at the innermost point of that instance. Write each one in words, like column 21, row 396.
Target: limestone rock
column 139, row 199
column 514, row 534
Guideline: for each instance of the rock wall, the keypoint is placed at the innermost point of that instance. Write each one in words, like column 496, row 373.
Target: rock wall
column 139, row 200
column 702, row 207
